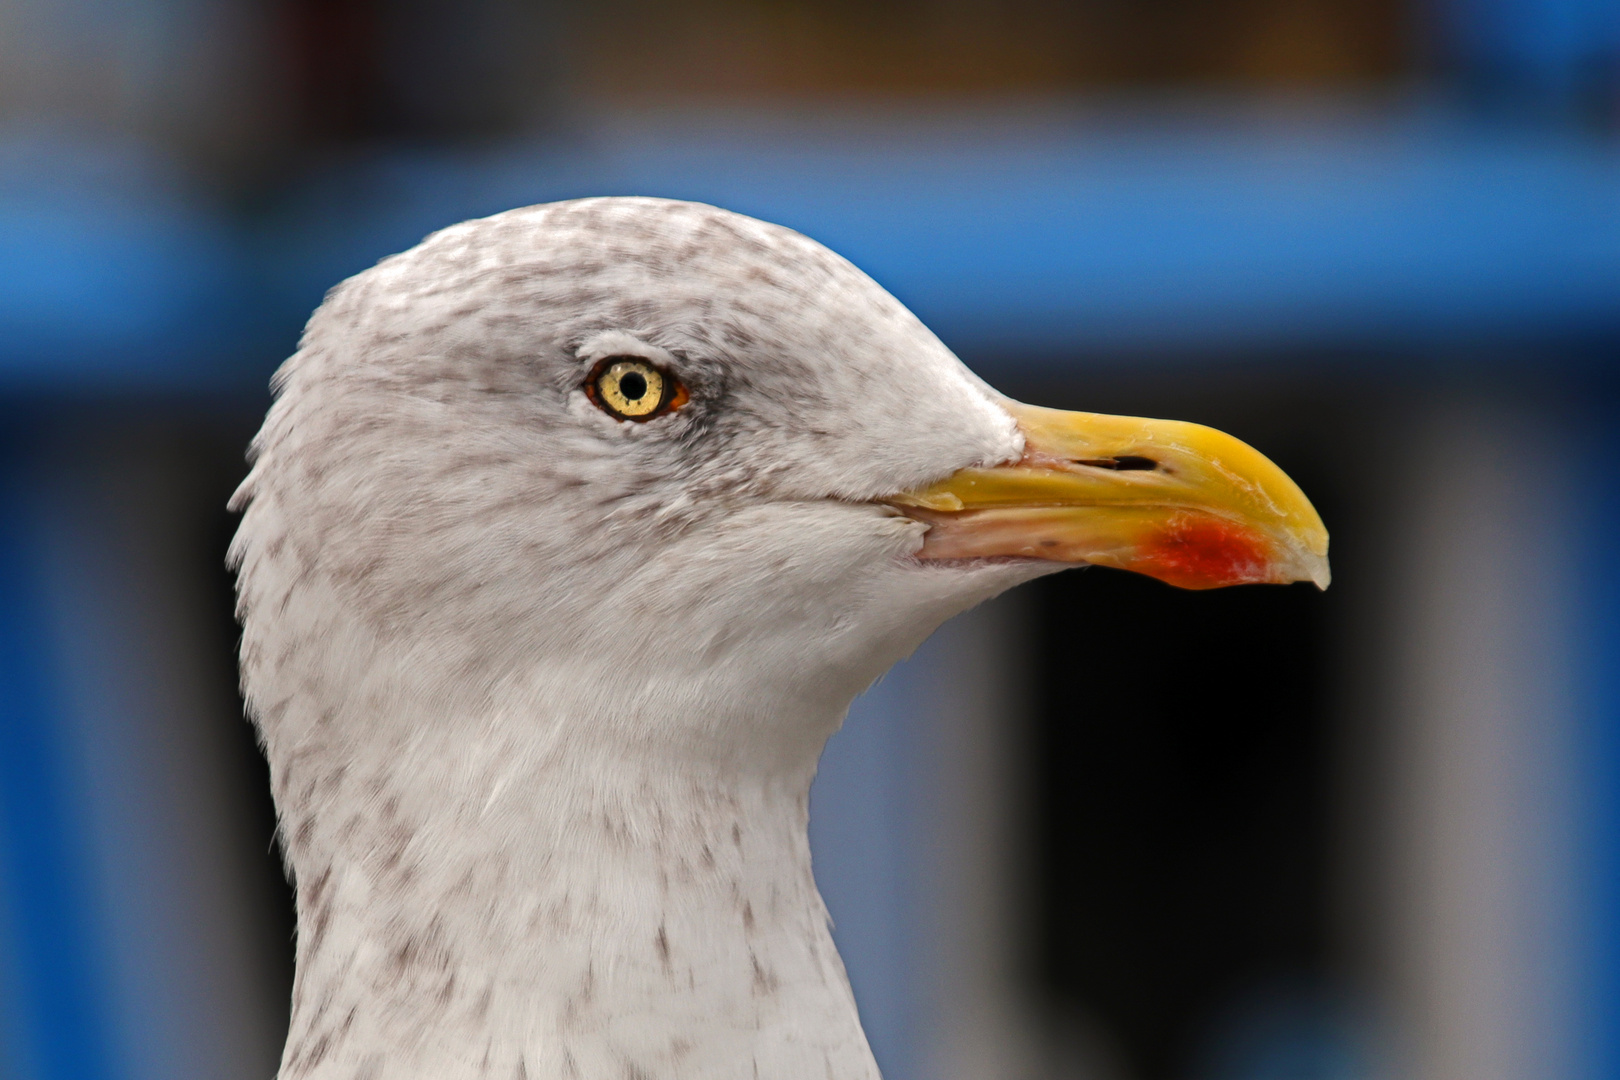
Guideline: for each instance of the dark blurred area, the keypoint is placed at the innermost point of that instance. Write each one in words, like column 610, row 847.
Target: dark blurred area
column 1099, row 830
column 1184, row 848
column 780, row 50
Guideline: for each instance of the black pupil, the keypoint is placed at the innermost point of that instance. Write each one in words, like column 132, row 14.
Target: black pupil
column 633, row 385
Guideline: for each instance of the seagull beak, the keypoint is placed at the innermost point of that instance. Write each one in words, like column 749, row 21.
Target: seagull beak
column 1183, row 503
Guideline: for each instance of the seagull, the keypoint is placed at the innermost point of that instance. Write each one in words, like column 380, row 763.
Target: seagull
column 568, row 539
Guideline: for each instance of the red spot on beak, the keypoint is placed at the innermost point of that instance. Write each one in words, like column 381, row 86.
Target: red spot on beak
column 1205, row 553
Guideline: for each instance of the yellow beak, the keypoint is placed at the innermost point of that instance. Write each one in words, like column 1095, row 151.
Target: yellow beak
column 1183, row 503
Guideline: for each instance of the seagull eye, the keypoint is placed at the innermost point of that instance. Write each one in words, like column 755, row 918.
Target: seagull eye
column 630, row 388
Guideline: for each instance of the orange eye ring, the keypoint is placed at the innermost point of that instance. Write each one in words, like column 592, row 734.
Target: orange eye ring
column 634, row 388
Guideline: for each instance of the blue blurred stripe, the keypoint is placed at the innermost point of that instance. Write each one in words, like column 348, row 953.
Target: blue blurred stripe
column 1062, row 235
column 1601, row 582
column 51, row 949
column 1332, row 230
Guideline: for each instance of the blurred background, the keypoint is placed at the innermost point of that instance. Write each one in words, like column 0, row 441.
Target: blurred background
column 1096, row 830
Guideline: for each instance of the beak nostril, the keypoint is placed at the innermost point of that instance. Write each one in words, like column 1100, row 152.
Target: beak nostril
column 1129, row 463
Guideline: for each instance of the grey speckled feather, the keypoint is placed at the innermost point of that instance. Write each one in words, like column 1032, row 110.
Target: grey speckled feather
column 543, row 691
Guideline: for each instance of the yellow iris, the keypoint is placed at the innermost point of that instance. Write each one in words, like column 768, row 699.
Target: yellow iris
column 631, row 389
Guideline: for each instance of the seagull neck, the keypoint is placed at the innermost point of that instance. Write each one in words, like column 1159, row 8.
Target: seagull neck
column 534, row 915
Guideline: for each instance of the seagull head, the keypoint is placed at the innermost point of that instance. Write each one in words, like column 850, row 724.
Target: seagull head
column 663, row 457
column 568, row 540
